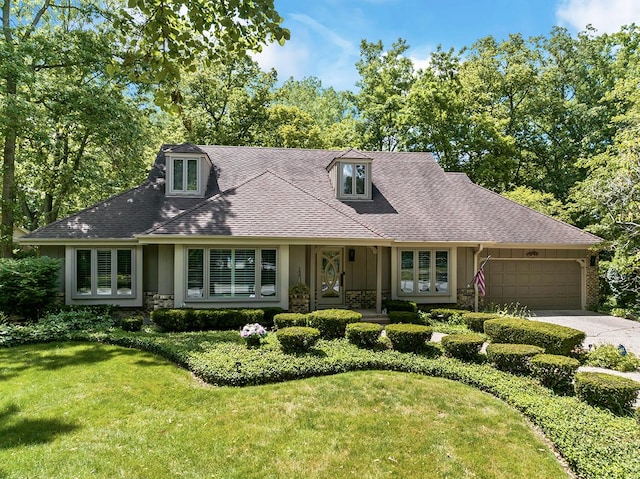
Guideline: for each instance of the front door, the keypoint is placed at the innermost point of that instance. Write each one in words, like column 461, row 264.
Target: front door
column 330, row 277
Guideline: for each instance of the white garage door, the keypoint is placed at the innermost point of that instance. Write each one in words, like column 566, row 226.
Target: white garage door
column 536, row 284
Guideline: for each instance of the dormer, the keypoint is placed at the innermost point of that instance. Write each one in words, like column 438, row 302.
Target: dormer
column 350, row 174
column 188, row 169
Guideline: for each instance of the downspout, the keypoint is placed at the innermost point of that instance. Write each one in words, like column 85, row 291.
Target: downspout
column 476, row 256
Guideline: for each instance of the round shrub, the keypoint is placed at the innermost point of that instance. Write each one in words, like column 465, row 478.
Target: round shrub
column 447, row 314
column 408, row 337
column 607, row 391
column 463, row 346
column 553, row 338
column 364, row 335
column 512, row 358
column 286, row 320
column 297, row 339
column 332, row 323
column 133, row 323
column 475, row 321
column 554, row 371
column 403, row 317
column 400, row 305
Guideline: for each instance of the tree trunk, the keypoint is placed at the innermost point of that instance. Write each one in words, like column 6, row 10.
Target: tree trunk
column 8, row 175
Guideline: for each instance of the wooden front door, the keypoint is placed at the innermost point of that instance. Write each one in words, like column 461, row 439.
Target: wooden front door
column 330, row 277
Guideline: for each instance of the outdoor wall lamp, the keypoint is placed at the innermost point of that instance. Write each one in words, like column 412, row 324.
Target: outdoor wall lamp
column 352, row 255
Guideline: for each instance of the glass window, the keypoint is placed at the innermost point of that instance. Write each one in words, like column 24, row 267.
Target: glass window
column 442, row 272
column 268, row 273
column 424, row 271
column 417, row 276
column 192, row 175
column 178, row 175
column 361, row 175
column 347, row 179
column 220, row 266
column 195, row 273
column 124, row 284
column 244, row 267
column 83, row 271
column 104, row 272
column 406, row 272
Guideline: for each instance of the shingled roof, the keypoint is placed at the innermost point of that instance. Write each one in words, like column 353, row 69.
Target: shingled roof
column 287, row 193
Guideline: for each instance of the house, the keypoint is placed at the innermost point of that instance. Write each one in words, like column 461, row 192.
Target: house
column 224, row 226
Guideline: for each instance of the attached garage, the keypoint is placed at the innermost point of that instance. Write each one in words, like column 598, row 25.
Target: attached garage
column 536, row 283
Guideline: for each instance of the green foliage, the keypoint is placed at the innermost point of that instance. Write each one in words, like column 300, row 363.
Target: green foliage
column 332, row 323
column 610, row 357
column 364, row 335
column 447, row 314
column 269, row 314
column 405, row 317
column 205, row 319
column 607, row 391
column 475, row 321
column 545, row 203
column 553, row 338
column 132, row 323
column 408, row 337
column 297, row 339
column 28, row 286
column 463, row 346
column 511, row 310
column 554, row 371
column 298, row 290
column 286, row 320
column 400, row 305
column 512, row 358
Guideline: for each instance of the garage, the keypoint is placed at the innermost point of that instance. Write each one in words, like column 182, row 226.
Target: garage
column 537, row 284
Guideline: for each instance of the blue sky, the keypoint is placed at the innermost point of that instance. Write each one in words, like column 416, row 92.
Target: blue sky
column 326, row 34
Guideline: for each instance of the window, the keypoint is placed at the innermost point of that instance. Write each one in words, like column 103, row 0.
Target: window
column 104, row 272
column 418, row 274
column 354, row 181
column 184, row 175
column 220, row 273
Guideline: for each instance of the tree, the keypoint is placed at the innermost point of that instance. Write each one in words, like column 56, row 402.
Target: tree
column 537, row 200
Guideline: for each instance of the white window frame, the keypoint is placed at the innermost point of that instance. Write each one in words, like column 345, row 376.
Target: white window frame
column 199, row 191
column 367, row 180
column 94, row 273
column 432, row 272
column 207, row 297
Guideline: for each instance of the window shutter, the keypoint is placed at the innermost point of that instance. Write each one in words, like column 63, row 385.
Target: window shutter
column 220, row 264
column 245, row 272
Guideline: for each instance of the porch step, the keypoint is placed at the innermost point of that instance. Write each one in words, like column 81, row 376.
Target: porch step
column 371, row 316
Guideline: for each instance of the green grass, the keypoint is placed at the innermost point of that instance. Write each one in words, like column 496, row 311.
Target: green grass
column 90, row 410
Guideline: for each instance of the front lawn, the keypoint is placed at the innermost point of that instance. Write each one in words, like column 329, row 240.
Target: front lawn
column 91, row 410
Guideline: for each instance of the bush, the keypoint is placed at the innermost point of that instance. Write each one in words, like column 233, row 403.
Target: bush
column 512, row 358
column 332, row 323
column 269, row 314
column 180, row 320
column 463, row 346
column 297, row 339
column 553, row 371
column 364, row 335
column 28, row 286
column 408, row 337
column 610, row 357
column 404, row 317
column 475, row 321
column 553, row 338
column 133, row 323
column 607, row 391
column 286, row 320
column 400, row 305
column 447, row 314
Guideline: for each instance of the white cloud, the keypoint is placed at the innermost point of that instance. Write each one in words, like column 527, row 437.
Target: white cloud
column 607, row 16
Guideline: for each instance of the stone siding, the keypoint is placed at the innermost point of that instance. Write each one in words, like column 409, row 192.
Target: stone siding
column 299, row 304
column 365, row 299
column 161, row 301
column 592, row 298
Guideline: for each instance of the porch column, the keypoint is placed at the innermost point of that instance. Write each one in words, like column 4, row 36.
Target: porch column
column 378, row 280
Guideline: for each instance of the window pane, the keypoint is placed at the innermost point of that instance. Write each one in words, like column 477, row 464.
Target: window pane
column 268, row 272
column 361, row 173
column 124, row 271
column 195, row 273
column 406, row 272
column 442, row 272
column 245, row 273
column 83, row 271
column 192, row 175
column 104, row 272
column 424, row 271
column 347, row 179
column 220, row 264
column 178, row 175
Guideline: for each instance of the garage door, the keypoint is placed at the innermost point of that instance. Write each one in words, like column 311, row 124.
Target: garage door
column 535, row 284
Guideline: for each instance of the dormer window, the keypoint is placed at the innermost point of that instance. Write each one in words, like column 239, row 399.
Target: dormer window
column 354, row 180
column 350, row 175
column 185, row 176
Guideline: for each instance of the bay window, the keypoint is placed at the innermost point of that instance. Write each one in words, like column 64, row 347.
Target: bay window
column 104, row 272
column 424, row 272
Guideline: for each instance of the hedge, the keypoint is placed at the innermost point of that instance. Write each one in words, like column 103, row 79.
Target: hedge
column 332, row 323
column 446, row 314
column 607, row 391
column 400, row 305
column 512, row 358
column 408, row 337
column 554, row 371
column 297, row 339
column 404, row 317
column 132, row 323
column 180, row 320
column 553, row 338
column 364, row 335
column 463, row 346
column 286, row 320
column 475, row 321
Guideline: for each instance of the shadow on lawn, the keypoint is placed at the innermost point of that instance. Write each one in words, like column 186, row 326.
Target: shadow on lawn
column 17, row 432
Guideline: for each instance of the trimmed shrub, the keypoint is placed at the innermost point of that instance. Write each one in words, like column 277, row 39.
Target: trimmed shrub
column 179, row 320
column 132, row 323
column 463, row 346
column 332, row 323
column 286, row 320
column 28, row 286
column 365, row 335
column 404, row 317
column 446, row 314
column 553, row 338
column 297, row 339
column 408, row 337
column 554, row 371
column 475, row 321
column 512, row 358
column 400, row 305
column 607, row 391
column 610, row 357
column 269, row 314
